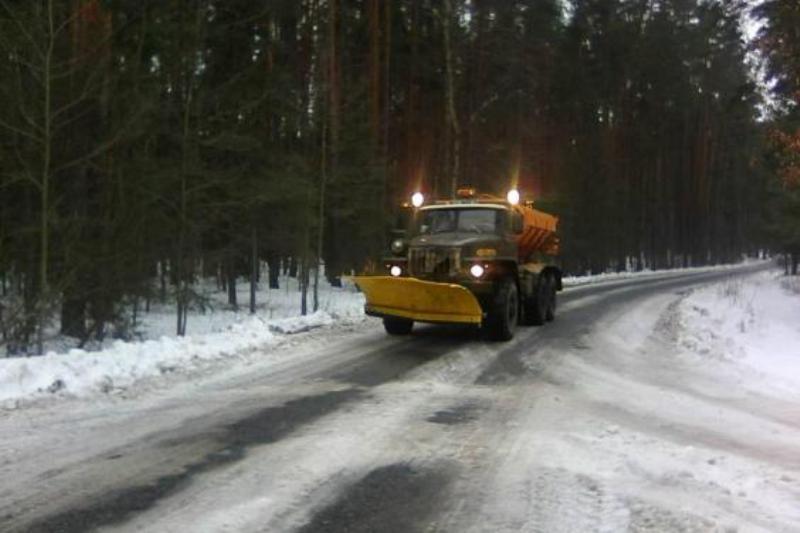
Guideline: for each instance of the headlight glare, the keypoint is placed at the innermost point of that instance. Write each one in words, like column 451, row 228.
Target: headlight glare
column 513, row 197
column 477, row 271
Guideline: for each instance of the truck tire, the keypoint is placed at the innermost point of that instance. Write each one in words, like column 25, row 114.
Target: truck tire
column 537, row 304
column 550, row 313
column 504, row 313
column 397, row 326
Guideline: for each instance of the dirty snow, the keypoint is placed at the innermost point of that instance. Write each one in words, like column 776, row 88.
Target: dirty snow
column 211, row 337
column 213, row 334
column 674, row 410
column 639, row 426
column 677, row 413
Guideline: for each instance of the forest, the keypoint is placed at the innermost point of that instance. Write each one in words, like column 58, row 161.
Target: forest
column 146, row 145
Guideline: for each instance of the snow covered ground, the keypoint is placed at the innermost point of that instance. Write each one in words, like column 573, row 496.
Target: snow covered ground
column 677, row 413
column 748, row 329
column 589, row 279
column 219, row 333
column 687, row 413
column 670, row 405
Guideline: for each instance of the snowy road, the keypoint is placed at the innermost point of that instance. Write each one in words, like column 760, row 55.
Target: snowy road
column 591, row 423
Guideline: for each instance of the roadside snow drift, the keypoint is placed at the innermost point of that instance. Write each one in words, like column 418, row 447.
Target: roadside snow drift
column 82, row 373
column 750, row 326
column 226, row 334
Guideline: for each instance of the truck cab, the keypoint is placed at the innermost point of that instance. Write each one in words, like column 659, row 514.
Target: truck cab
column 474, row 259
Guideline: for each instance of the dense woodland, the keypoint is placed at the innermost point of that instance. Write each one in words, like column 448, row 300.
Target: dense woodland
column 779, row 44
column 147, row 144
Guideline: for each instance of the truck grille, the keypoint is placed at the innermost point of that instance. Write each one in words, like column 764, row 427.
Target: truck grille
column 436, row 262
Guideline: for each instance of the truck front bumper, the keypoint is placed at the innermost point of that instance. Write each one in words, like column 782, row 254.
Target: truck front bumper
column 418, row 300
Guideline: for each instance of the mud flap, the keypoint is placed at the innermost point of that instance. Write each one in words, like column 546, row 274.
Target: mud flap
column 418, row 300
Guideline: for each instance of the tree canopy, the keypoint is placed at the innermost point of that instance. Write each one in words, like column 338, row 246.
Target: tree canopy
column 144, row 144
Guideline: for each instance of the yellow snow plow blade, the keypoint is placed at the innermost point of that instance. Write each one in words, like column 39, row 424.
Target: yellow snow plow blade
column 419, row 300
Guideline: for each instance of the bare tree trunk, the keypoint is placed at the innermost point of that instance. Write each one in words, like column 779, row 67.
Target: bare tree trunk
column 452, row 115
column 188, row 98
column 303, row 279
column 374, row 61
column 47, row 134
column 135, row 315
column 162, row 265
column 254, row 266
column 304, row 257
column 230, row 271
column 333, row 79
column 304, row 285
column 387, row 82
column 321, row 212
column 181, row 295
column 274, row 267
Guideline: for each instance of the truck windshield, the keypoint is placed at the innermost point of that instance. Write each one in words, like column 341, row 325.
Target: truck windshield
column 479, row 220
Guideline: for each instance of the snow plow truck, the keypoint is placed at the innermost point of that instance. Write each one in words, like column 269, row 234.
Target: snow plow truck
column 475, row 259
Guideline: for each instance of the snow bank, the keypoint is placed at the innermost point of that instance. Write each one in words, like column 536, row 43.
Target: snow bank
column 214, row 334
column 226, row 333
column 82, row 373
column 751, row 324
column 574, row 281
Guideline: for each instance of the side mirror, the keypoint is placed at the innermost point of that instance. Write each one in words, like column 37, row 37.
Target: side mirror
column 516, row 224
column 399, row 246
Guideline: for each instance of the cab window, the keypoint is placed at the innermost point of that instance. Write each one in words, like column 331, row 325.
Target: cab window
column 480, row 221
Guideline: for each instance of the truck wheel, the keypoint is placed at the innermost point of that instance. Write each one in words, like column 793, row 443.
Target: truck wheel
column 397, row 326
column 550, row 314
column 536, row 305
column 504, row 314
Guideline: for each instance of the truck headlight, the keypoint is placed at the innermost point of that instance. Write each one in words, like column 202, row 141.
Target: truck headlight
column 396, row 271
column 477, row 271
column 398, row 246
column 513, row 197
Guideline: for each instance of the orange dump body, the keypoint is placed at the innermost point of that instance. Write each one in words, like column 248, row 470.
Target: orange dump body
column 538, row 234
